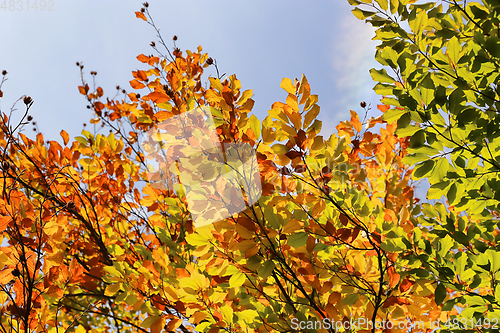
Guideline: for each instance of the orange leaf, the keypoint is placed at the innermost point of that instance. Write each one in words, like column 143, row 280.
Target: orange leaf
column 142, row 58
column 6, row 276
column 83, row 90
column 141, row 75
column 405, row 285
column 157, row 326
column 162, row 115
column 136, row 84
column 383, row 108
column 355, row 121
column 394, row 277
column 140, row 15
column 4, row 222
column 158, row 97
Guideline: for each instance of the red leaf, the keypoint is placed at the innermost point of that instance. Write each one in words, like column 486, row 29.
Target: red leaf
column 293, row 154
column 344, row 219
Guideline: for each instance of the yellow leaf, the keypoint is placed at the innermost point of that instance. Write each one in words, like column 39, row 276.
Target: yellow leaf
column 291, row 100
column 237, row 280
column 112, row 289
column 149, row 321
column 215, row 83
column 290, row 131
column 296, row 119
column 318, row 209
column 318, row 143
column 288, row 86
column 292, row 226
column 311, row 115
column 268, row 135
column 280, row 149
column 244, row 232
column 245, row 96
column 304, row 90
column 200, row 279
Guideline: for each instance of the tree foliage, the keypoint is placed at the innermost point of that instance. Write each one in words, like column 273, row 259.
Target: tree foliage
column 443, row 87
column 91, row 243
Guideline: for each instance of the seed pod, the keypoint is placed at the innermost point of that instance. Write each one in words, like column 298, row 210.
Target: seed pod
column 71, row 205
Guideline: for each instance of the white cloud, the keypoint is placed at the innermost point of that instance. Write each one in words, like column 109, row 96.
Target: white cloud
column 352, row 56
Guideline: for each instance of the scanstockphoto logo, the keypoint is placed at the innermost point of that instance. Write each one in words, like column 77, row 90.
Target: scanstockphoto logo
column 184, row 154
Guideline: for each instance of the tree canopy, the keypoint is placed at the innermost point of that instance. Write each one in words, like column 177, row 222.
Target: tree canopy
column 181, row 211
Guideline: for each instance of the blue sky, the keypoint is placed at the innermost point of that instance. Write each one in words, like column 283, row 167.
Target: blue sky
column 259, row 41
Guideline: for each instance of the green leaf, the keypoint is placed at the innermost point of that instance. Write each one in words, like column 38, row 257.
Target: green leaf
column 461, row 238
column 418, row 139
column 436, row 191
column 392, row 115
column 381, row 76
column 297, row 239
column 394, row 6
column 419, row 22
column 453, row 49
column 493, row 46
column 362, row 14
column 272, row 217
column 253, row 262
column 266, row 269
column 446, row 244
column 422, row 169
column 216, row 113
column 440, row 170
column 407, row 130
column 350, row 299
column 494, row 258
column 440, row 294
column 384, row 4
column 384, row 89
column 412, row 159
column 455, row 193
column 427, row 89
column 468, row 115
